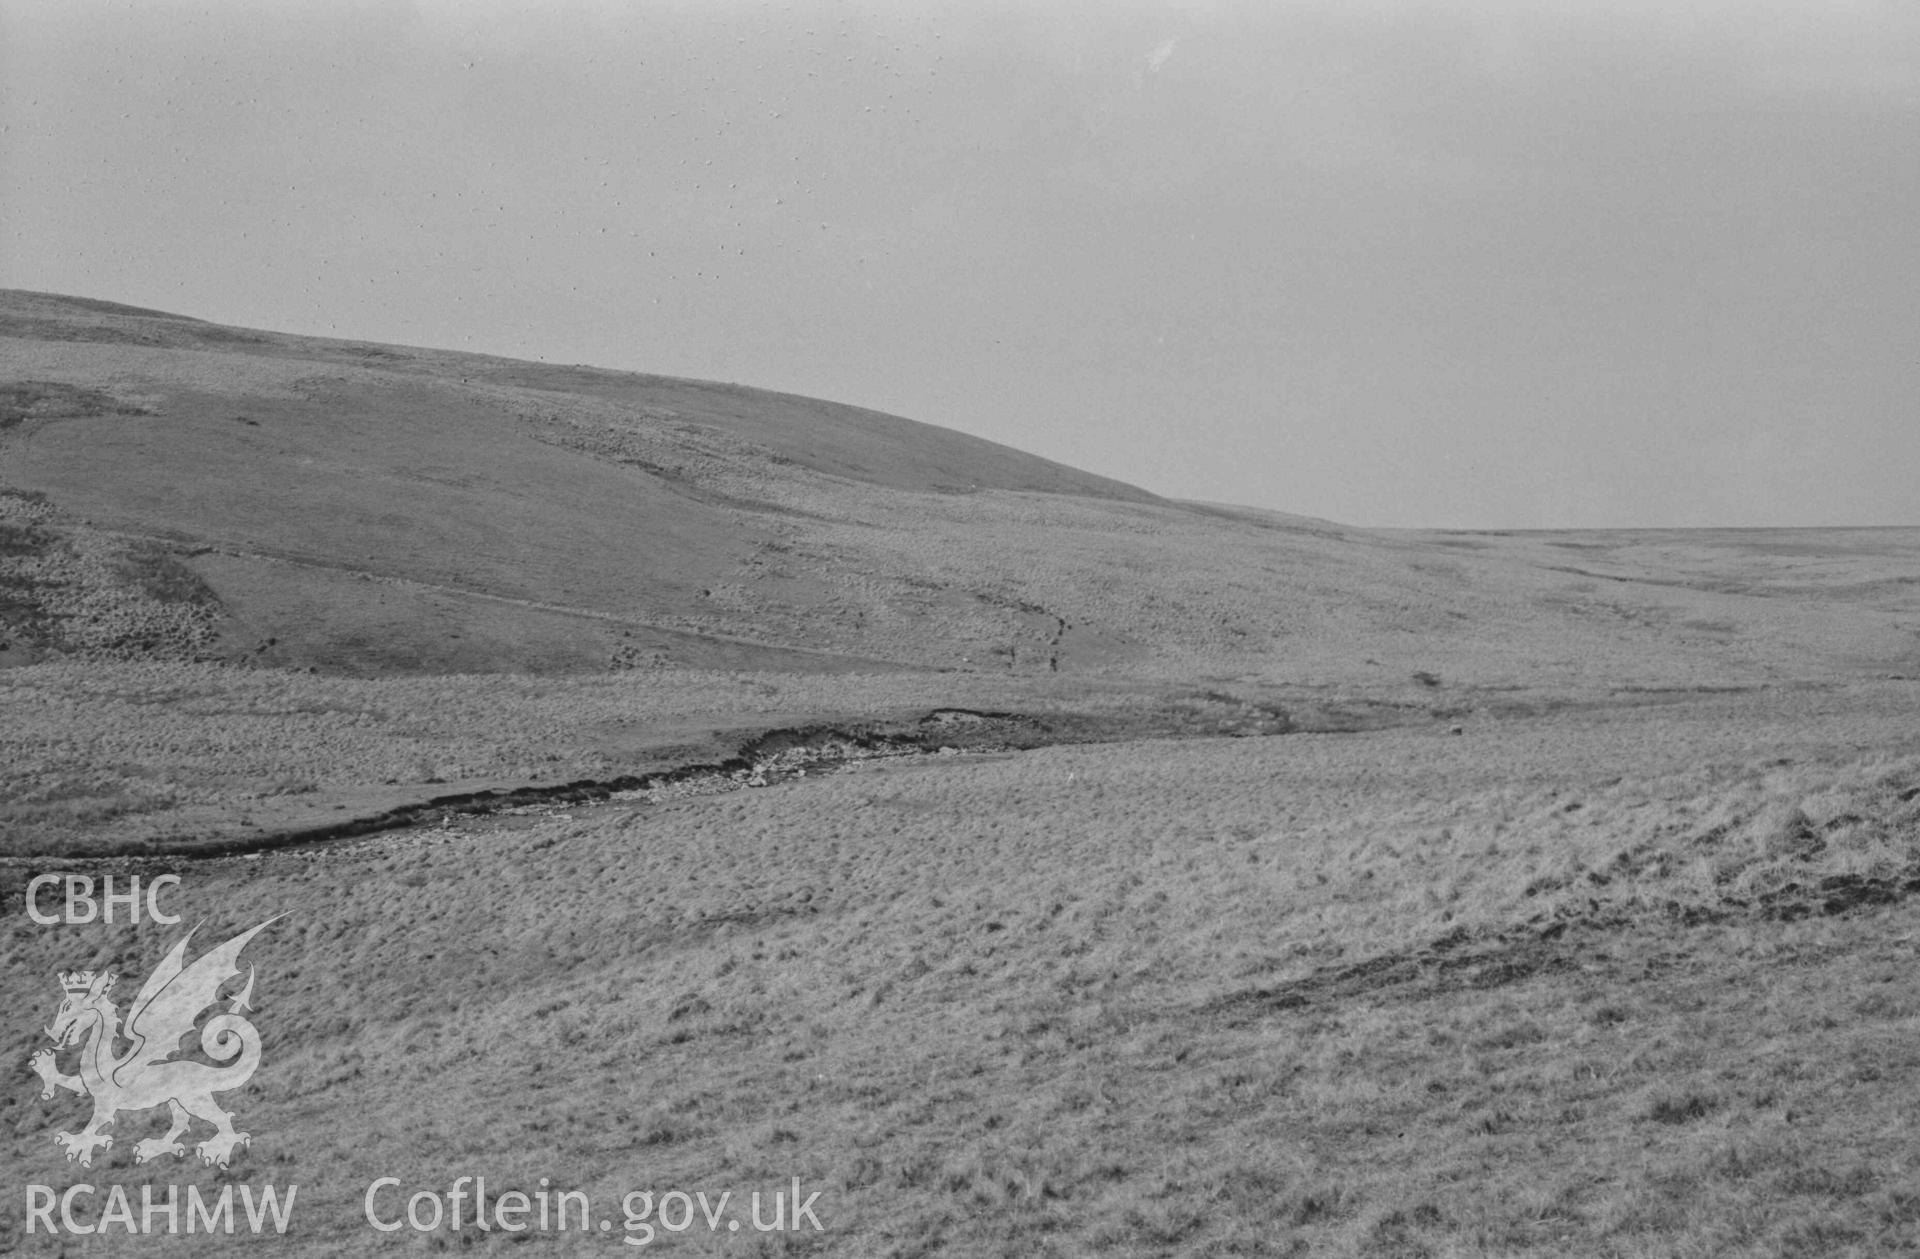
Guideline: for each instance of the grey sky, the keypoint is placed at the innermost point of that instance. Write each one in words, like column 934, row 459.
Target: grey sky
column 1455, row 262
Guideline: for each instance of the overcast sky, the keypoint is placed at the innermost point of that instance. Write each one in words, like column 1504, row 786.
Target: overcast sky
column 1479, row 263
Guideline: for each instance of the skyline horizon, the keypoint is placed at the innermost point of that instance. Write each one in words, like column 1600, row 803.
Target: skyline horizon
column 1489, row 529
column 1404, row 264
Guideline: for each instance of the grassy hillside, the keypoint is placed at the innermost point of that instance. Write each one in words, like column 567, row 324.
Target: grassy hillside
column 1027, row 864
column 177, row 498
column 372, row 509
column 175, row 490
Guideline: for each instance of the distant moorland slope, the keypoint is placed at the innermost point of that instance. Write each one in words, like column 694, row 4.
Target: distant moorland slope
column 173, row 489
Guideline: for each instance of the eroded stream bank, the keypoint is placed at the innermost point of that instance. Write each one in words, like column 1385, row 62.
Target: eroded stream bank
column 766, row 758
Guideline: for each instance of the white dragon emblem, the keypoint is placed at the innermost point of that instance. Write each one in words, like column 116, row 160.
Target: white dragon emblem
column 164, row 1012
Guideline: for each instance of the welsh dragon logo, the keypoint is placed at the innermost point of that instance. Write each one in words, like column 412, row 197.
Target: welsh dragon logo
column 165, row 1011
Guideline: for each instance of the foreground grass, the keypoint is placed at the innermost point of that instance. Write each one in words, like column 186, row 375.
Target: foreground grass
column 1065, row 1002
